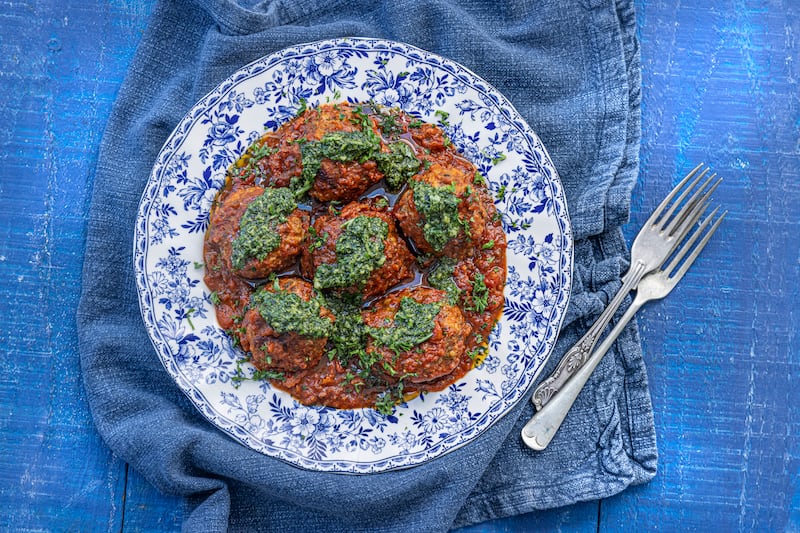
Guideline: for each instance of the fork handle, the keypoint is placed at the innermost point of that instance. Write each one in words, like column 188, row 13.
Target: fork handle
column 579, row 353
column 539, row 431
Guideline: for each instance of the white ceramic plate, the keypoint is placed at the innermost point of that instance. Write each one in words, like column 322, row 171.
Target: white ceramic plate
column 190, row 169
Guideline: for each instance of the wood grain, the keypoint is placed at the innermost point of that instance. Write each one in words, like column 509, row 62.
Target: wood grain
column 720, row 85
column 60, row 71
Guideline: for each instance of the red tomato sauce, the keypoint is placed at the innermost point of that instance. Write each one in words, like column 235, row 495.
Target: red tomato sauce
column 464, row 308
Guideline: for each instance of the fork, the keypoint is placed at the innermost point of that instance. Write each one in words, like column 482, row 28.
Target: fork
column 666, row 227
column 539, row 431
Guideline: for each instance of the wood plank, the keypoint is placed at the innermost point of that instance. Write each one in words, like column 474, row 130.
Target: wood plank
column 578, row 518
column 720, row 85
column 147, row 509
column 60, row 70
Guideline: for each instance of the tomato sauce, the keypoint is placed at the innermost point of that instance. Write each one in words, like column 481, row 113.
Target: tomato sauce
column 359, row 371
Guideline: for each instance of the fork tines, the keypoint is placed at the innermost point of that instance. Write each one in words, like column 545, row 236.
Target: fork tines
column 676, row 266
column 691, row 209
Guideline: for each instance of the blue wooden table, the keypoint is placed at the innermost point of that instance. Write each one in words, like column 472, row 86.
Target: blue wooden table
column 720, row 85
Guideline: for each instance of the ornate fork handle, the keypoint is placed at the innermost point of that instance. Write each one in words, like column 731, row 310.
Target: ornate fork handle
column 576, row 356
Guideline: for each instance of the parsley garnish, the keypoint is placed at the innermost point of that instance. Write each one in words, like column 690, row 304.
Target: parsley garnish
column 302, row 108
column 413, row 325
column 480, row 294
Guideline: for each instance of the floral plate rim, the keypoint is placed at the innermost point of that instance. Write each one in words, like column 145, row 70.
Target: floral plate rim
column 172, row 341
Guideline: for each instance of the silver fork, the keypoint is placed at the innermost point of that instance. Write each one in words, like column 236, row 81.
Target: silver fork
column 666, row 227
column 539, row 431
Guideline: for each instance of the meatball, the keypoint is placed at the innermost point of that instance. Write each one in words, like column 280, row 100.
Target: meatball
column 442, row 211
column 286, row 329
column 417, row 335
column 357, row 251
column 324, row 151
column 257, row 231
column 482, row 276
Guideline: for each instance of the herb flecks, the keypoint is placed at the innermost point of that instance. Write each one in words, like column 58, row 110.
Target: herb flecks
column 441, row 277
column 258, row 235
column 480, row 294
column 397, row 165
column 438, row 207
column 239, row 374
column 349, row 338
column 285, row 312
column 413, row 325
column 359, row 251
column 443, row 116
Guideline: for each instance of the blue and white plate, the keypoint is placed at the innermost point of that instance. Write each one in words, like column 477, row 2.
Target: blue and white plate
column 190, row 169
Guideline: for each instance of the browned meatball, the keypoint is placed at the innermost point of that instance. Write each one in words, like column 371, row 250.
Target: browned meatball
column 286, row 329
column 241, row 225
column 296, row 142
column 402, row 319
column 358, row 256
column 442, row 211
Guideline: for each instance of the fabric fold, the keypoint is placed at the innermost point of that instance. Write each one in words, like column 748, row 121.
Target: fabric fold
column 571, row 70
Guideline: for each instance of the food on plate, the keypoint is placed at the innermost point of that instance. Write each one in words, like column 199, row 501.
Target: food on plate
column 333, row 152
column 259, row 231
column 356, row 250
column 441, row 210
column 285, row 328
column 416, row 334
column 356, row 258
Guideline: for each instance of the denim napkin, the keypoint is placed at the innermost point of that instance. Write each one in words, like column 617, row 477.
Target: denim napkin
column 571, row 68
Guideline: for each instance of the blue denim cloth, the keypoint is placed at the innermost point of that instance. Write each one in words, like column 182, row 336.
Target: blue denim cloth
column 572, row 70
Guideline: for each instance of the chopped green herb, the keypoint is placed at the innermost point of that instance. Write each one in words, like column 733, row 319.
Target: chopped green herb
column 480, row 294
column 316, row 240
column 438, row 207
column 476, row 353
column 413, row 325
column 258, row 234
column 441, row 277
column 501, row 192
column 499, row 157
column 302, row 108
column 259, row 151
column 188, row 316
column 359, row 251
column 349, row 338
column 385, row 403
column 258, row 375
column 488, row 245
column 397, row 165
column 389, row 125
column 285, row 311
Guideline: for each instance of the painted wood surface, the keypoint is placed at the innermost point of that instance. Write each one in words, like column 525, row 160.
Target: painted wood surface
column 720, row 85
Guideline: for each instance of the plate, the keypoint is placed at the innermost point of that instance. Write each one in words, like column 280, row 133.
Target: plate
column 190, row 169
